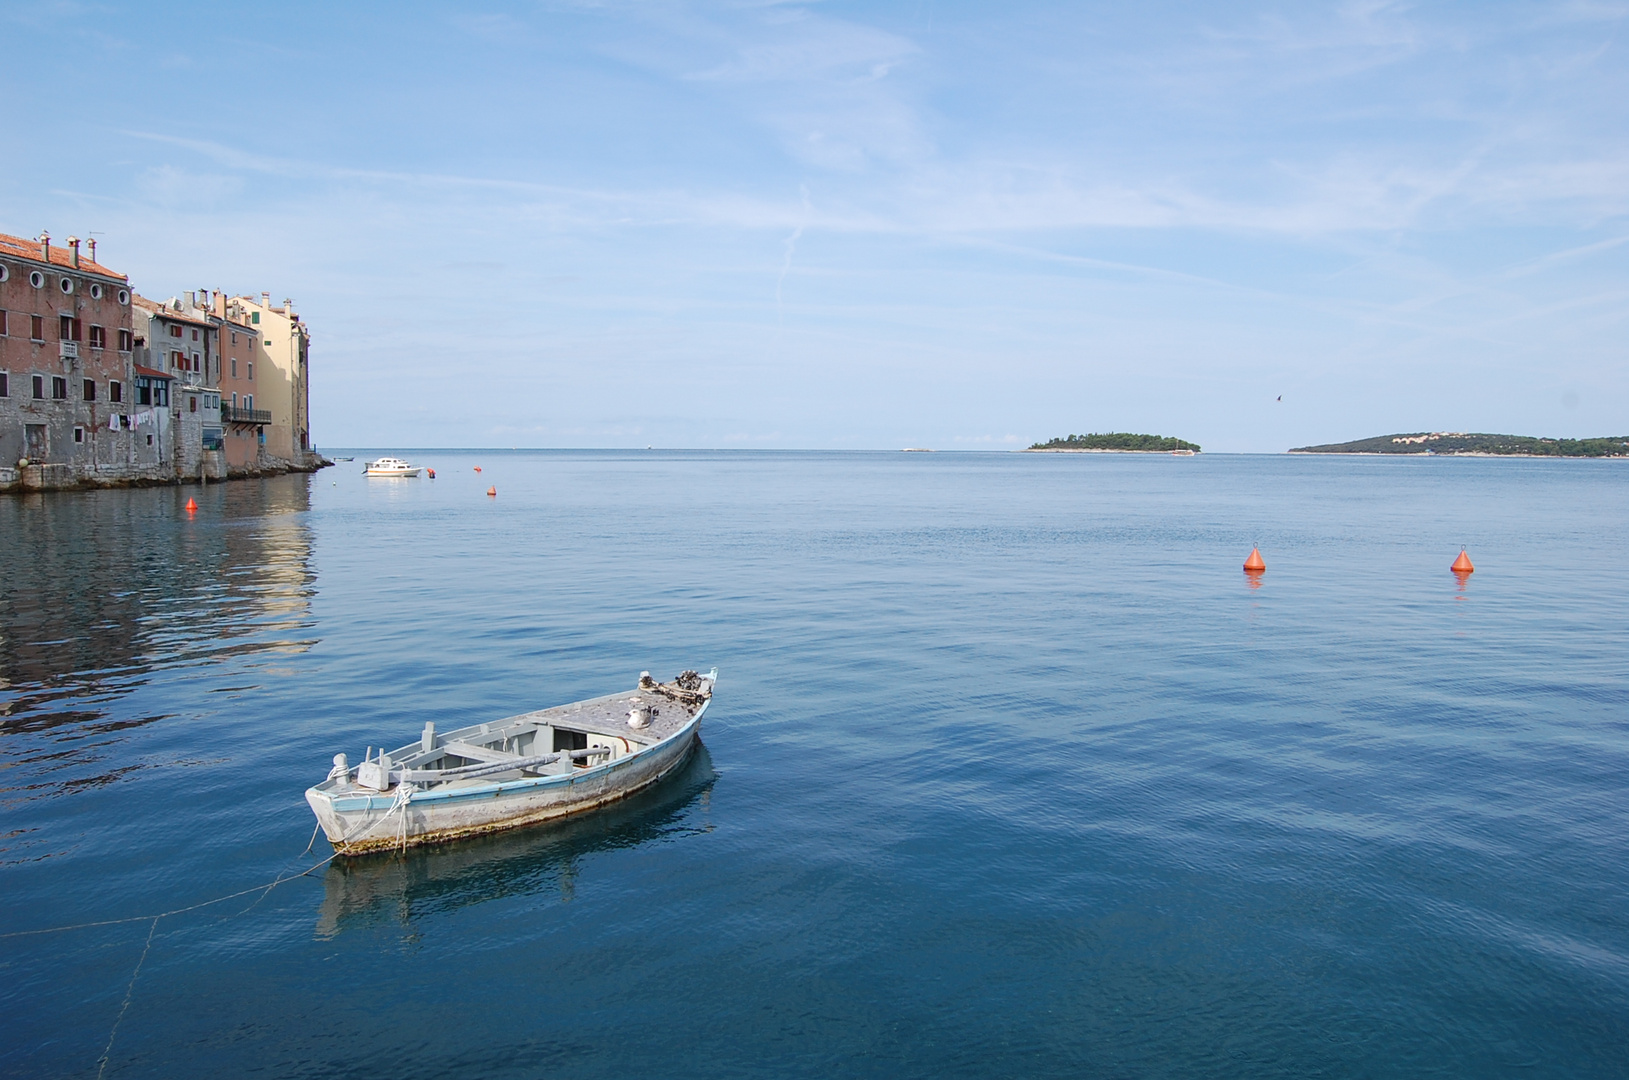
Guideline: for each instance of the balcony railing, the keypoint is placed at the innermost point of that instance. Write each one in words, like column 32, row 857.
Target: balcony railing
column 70, row 350
column 231, row 414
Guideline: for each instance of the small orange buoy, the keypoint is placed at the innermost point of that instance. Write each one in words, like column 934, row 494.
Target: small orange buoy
column 1254, row 564
column 492, row 491
column 477, row 468
column 431, row 473
column 192, row 507
column 1462, row 565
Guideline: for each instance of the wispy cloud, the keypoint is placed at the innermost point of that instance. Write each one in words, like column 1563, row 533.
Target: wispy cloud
column 1048, row 204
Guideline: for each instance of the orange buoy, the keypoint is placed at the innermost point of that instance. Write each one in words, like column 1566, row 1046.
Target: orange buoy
column 477, row 468
column 192, row 507
column 431, row 473
column 1254, row 564
column 493, row 491
column 1462, row 565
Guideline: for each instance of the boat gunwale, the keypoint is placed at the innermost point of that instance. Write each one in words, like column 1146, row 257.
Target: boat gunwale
column 351, row 804
column 356, row 802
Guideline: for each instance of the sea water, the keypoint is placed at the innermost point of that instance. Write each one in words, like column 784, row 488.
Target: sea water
column 1011, row 770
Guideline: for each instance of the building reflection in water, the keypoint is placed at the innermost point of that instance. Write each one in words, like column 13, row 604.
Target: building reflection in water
column 105, row 590
column 522, row 862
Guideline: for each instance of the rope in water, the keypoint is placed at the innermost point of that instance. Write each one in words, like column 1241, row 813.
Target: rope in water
column 403, row 797
column 339, row 849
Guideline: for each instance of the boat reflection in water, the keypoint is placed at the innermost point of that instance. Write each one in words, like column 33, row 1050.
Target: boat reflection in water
column 444, row 877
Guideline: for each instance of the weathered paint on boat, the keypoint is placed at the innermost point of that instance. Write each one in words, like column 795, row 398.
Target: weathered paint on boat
column 357, row 821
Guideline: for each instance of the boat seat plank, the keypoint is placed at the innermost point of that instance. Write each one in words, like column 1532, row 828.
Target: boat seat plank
column 486, row 754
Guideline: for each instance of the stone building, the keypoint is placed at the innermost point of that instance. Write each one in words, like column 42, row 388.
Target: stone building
column 177, row 339
column 66, row 341
column 99, row 386
column 284, row 377
column 243, row 413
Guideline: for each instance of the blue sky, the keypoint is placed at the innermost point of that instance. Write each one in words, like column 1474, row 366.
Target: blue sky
column 866, row 225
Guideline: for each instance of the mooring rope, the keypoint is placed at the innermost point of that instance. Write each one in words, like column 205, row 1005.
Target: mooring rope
column 339, row 849
column 129, row 991
column 403, row 797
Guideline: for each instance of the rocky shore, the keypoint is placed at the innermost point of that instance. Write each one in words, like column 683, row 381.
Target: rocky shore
column 20, row 479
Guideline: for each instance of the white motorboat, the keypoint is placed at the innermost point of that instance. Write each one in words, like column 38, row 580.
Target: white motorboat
column 390, row 466
column 526, row 769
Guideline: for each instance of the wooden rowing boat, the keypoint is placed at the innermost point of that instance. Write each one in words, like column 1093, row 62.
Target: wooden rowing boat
column 522, row 770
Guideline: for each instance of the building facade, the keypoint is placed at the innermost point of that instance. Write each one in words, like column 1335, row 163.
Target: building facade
column 100, row 386
column 284, row 376
column 179, row 341
column 66, row 356
column 243, row 413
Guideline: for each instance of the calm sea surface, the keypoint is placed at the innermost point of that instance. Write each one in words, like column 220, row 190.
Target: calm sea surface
column 1011, row 771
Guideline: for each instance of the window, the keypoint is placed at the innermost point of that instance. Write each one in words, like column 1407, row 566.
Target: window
column 176, row 360
column 79, row 434
column 249, row 401
column 5, row 331
column 195, row 335
column 39, row 388
column 234, row 367
column 126, row 340
column 36, row 328
column 115, row 391
column 144, row 392
column 234, row 337
column 5, row 384
column 251, row 371
column 192, row 403
column 68, row 328
column 59, row 388
column 90, row 389
column 98, row 337
column 175, row 331
column 234, row 400
column 254, row 317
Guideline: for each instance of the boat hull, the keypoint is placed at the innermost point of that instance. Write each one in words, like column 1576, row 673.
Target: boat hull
column 357, row 823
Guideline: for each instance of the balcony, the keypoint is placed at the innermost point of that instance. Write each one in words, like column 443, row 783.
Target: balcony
column 231, row 414
column 70, row 350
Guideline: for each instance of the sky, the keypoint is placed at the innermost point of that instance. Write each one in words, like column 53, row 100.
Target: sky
column 865, row 226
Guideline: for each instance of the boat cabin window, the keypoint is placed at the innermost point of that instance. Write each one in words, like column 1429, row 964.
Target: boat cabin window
column 570, row 740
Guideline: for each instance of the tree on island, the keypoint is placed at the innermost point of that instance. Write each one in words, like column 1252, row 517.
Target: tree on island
column 1118, row 440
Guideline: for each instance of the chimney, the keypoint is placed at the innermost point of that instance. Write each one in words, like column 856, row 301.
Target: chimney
column 265, row 300
column 73, row 244
column 45, row 246
column 288, row 307
column 92, row 243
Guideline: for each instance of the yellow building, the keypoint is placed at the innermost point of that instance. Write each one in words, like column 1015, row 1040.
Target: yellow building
column 283, row 376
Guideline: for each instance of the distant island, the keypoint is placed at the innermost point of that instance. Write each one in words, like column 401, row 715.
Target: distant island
column 1476, row 444
column 1118, row 442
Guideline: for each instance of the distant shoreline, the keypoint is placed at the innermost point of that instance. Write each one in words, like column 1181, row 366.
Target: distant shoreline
column 1456, row 453
column 1473, row 444
column 1077, row 450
